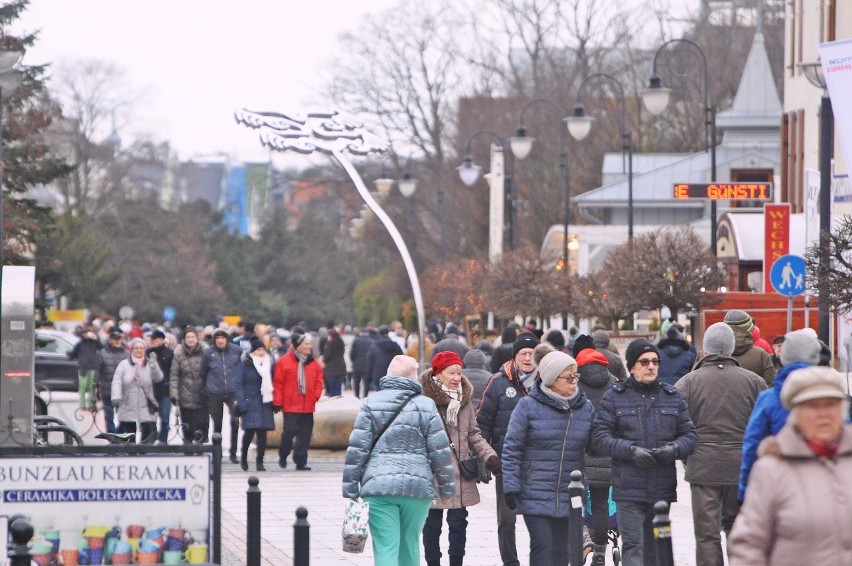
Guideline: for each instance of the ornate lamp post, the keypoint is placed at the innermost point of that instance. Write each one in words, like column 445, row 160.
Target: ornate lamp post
column 656, row 98
column 469, row 174
column 579, row 126
column 336, row 134
column 9, row 79
column 813, row 72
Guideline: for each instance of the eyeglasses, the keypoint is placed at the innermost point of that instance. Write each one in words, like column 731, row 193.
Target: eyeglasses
column 645, row 363
column 570, row 378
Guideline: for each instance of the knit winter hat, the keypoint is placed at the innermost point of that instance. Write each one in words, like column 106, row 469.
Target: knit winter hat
column 600, row 338
column 583, row 342
column 740, row 319
column 524, row 340
column 800, row 346
column 445, row 359
column 811, row 383
column 403, row 366
column 719, row 339
column 255, row 344
column 556, row 338
column 220, row 332
column 552, row 365
column 636, row 349
column 297, row 339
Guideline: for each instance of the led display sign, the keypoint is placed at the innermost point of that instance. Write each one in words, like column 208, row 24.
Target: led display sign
column 724, row 191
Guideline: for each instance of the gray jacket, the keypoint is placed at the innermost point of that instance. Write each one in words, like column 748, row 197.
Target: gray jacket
column 411, row 457
column 132, row 386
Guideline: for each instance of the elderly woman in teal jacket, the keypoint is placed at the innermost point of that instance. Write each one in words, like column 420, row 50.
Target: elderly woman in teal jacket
column 398, row 472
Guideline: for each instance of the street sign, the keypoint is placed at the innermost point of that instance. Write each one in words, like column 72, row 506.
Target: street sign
column 723, row 191
column 169, row 314
column 788, row 275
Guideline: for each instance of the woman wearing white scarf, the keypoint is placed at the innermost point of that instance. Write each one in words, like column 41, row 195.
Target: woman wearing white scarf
column 451, row 391
column 253, row 401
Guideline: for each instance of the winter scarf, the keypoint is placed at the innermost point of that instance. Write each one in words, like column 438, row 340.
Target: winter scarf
column 455, row 396
column 262, row 365
column 301, row 371
column 564, row 402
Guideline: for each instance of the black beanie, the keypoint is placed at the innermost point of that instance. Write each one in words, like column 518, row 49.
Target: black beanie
column 636, row 349
column 582, row 342
column 524, row 340
column 556, row 339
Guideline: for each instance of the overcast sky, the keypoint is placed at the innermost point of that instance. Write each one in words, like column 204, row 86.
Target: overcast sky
column 199, row 60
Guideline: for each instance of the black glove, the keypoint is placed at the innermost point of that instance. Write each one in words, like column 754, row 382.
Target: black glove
column 276, row 409
column 642, row 458
column 667, row 453
column 511, row 500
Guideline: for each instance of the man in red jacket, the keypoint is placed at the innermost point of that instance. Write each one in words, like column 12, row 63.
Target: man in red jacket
column 297, row 384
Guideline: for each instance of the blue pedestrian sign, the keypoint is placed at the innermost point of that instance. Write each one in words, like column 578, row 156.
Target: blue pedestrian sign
column 788, row 275
column 169, row 314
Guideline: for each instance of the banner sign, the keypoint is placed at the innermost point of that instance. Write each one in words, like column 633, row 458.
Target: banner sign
column 776, row 238
column 836, row 58
column 724, row 191
column 70, row 494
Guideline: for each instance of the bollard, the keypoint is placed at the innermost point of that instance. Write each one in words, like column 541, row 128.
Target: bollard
column 301, row 539
column 253, row 522
column 576, row 490
column 663, row 534
column 20, row 531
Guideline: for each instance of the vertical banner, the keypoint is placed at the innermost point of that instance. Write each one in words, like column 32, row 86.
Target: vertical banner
column 836, row 58
column 496, row 182
column 776, row 238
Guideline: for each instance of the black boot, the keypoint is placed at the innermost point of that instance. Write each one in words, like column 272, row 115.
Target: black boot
column 244, row 461
column 456, row 560
column 233, row 457
column 260, row 467
column 599, row 556
column 433, row 563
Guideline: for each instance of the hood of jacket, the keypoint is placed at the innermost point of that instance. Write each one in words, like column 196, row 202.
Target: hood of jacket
column 788, row 444
column 539, row 395
column 743, row 341
column 475, row 359
column 785, row 371
column 594, row 374
column 433, row 390
column 400, row 383
column 673, row 346
column 716, row 359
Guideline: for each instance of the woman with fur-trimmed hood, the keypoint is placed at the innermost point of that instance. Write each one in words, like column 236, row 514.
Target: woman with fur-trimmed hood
column 451, row 391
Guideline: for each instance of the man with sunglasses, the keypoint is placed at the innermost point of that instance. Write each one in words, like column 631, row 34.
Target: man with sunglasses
column 644, row 425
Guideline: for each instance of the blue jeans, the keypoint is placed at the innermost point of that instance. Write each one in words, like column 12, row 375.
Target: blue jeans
column 548, row 540
column 165, row 411
column 109, row 414
column 456, row 520
column 333, row 385
column 635, row 524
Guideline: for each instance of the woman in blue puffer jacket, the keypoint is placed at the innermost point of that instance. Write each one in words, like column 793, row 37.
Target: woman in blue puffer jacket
column 398, row 475
column 547, row 438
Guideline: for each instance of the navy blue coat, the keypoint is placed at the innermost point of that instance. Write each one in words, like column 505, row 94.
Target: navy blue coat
column 255, row 414
column 379, row 357
column 498, row 401
column 545, row 443
column 677, row 356
column 648, row 416
column 217, row 368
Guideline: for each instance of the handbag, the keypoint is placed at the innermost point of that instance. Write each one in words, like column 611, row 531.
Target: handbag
column 471, row 468
column 356, row 526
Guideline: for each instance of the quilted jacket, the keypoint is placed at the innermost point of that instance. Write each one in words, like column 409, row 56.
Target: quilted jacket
column 187, row 382
column 255, row 414
column 410, row 458
column 499, row 399
column 545, row 443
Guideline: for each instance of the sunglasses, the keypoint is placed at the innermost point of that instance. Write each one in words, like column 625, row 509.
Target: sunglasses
column 570, row 378
column 646, row 363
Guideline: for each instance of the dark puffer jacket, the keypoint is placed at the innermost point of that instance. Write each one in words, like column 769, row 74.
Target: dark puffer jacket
column 217, row 368
column 410, row 458
column 595, row 380
column 545, row 443
column 254, row 413
column 164, row 359
column 677, row 356
column 498, row 401
column 476, row 371
column 108, row 360
column 187, row 381
column 647, row 415
column 503, row 352
column 379, row 357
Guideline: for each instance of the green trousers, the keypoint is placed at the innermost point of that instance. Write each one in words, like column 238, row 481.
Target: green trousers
column 85, row 388
column 395, row 525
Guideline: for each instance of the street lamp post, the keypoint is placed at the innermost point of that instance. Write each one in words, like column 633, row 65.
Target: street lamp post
column 469, row 174
column 336, row 134
column 521, row 145
column 579, row 126
column 407, row 185
column 813, row 72
column 656, row 98
column 9, row 79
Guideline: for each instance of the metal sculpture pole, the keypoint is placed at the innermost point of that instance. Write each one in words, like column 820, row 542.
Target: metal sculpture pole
column 336, row 134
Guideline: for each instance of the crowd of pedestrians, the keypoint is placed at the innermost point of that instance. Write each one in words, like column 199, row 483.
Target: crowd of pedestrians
column 762, row 429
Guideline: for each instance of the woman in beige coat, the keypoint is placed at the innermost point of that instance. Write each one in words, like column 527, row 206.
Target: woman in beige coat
column 451, row 391
column 797, row 508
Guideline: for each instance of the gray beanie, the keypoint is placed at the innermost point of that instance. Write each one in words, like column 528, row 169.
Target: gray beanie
column 740, row 319
column 600, row 338
column 552, row 365
column 800, row 346
column 719, row 339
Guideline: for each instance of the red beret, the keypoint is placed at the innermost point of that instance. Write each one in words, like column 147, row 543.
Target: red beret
column 443, row 360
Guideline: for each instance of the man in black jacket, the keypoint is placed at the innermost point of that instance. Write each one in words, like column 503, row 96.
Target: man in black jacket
column 161, row 390
column 358, row 356
column 108, row 359
column 379, row 357
column 501, row 395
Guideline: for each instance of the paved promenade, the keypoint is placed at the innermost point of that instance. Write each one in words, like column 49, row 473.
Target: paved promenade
column 319, row 490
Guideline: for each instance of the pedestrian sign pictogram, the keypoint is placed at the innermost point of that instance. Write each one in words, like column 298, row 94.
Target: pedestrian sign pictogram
column 788, row 275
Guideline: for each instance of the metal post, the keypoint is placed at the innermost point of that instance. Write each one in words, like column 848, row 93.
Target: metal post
column 826, row 150
column 712, row 114
column 253, row 522
column 566, row 217
column 629, row 137
column 576, row 490
column 20, row 531
column 663, row 534
column 301, row 538
column 2, row 168
column 217, row 498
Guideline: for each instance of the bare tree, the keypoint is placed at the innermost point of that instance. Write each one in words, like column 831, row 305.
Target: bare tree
column 835, row 278
column 524, row 284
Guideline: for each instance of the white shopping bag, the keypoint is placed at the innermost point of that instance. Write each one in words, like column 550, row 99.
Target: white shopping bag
column 356, row 525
